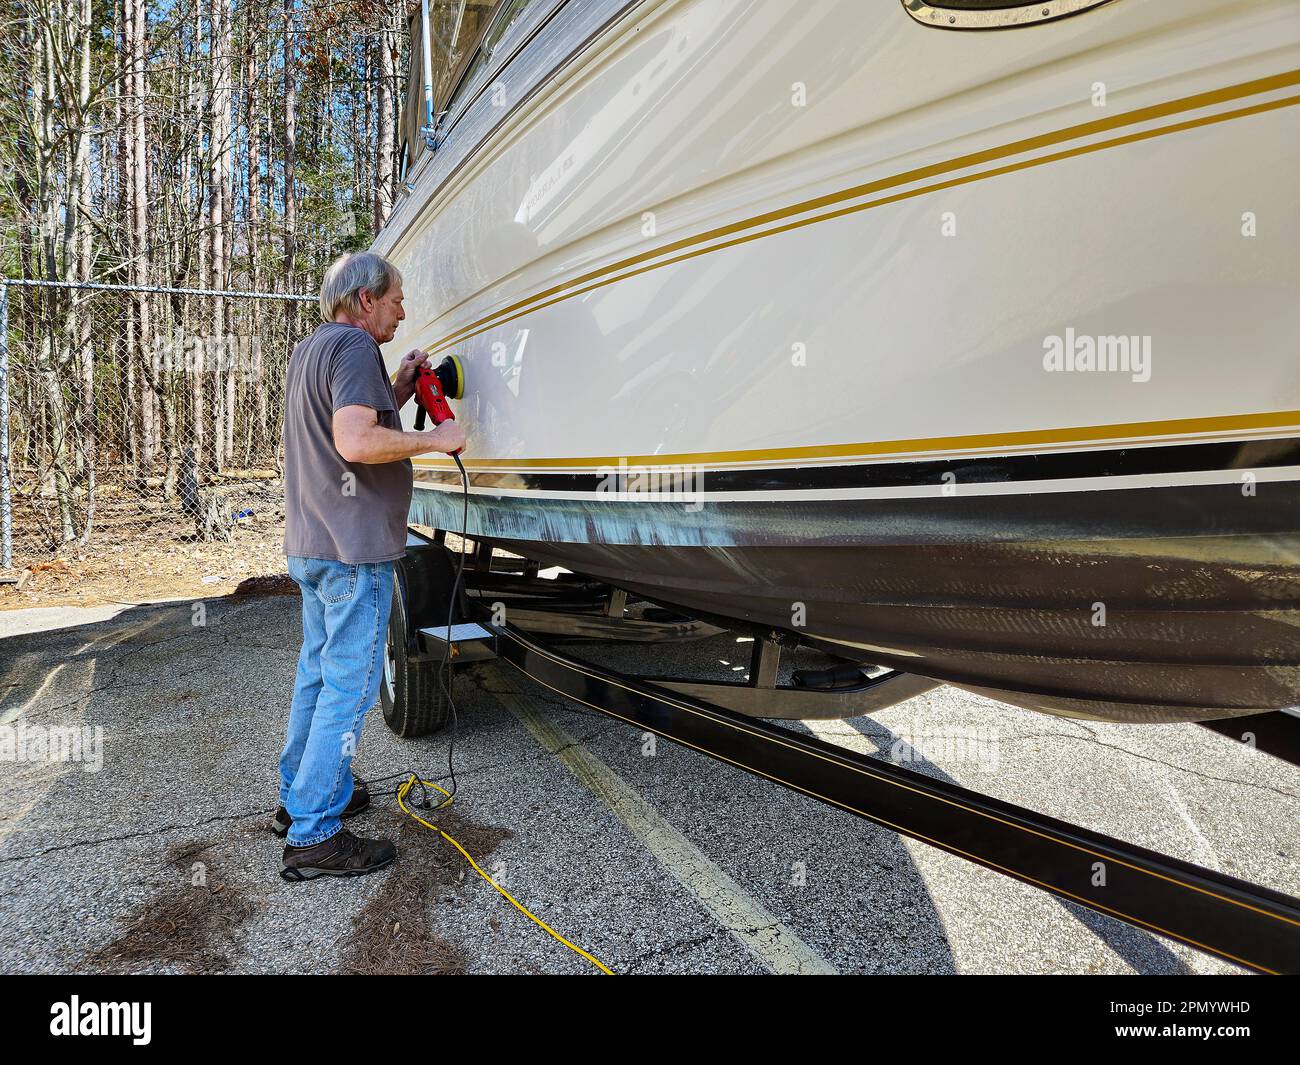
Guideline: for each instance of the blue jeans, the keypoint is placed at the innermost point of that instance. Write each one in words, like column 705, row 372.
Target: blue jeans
column 344, row 629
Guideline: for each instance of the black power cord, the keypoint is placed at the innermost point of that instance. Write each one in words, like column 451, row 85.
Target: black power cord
column 412, row 781
column 423, row 800
column 445, row 676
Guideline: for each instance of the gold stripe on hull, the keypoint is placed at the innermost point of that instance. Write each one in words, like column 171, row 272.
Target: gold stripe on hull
column 1089, row 435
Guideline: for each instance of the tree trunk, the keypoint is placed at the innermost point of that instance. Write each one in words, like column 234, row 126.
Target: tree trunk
column 137, row 29
column 196, row 360
column 88, row 452
column 290, row 163
column 219, row 44
column 257, row 427
column 384, row 187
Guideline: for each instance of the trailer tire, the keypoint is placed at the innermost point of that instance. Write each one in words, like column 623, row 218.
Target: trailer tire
column 411, row 690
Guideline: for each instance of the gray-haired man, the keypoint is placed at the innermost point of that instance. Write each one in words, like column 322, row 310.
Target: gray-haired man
column 347, row 480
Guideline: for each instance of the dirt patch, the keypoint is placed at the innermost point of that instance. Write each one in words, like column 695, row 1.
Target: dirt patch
column 393, row 933
column 195, row 925
column 139, row 556
column 143, row 549
column 266, row 586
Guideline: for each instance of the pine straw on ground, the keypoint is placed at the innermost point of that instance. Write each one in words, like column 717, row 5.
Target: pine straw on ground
column 393, row 933
column 196, row 927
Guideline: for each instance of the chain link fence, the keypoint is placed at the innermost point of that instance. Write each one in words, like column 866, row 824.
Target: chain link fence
column 143, row 423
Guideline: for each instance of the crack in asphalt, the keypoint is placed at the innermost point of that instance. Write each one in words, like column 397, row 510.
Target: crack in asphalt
column 143, row 834
column 461, row 774
column 882, row 733
column 632, row 965
column 1283, row 793
column 112, row 684
column 114, row 659
column 686, row 944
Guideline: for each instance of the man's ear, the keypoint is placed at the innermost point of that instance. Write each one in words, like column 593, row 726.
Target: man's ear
column 366, row 300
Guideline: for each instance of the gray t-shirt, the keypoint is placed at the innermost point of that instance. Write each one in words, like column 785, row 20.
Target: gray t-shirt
column 346, row 511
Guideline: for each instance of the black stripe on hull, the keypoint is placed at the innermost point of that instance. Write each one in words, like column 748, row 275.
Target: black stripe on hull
column 1143, row 605
column 997, row 469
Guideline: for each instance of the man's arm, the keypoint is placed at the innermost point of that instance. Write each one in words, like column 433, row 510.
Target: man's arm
column 359, row 437
column 403, row 392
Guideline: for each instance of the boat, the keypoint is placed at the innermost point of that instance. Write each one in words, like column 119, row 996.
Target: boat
column 954, row 337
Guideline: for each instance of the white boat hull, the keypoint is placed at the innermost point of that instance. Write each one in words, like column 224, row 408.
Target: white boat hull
column 744, row 278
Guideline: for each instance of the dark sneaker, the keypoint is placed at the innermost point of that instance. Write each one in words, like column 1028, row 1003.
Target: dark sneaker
column 343, row 854
column 357, row 804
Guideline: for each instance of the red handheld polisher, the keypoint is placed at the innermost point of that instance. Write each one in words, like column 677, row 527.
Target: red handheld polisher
column 433, row 387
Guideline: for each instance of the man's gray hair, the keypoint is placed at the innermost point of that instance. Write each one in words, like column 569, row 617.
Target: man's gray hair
column 348, row 275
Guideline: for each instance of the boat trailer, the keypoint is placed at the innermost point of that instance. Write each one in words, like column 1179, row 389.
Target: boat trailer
column 1244, row 923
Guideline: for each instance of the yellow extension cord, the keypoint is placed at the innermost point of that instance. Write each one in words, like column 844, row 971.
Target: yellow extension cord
column 401, row 801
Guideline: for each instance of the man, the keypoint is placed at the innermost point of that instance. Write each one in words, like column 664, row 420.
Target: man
column 347, row 480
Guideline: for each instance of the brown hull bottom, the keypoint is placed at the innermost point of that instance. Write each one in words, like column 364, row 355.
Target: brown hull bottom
column 1080, row 605
column 1119, row 632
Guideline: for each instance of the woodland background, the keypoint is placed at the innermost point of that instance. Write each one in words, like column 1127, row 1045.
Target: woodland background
column 214, row 144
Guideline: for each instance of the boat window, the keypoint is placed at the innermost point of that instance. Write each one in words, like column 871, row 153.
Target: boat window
column 507, row 15
column 455, row 29
column 993, row 14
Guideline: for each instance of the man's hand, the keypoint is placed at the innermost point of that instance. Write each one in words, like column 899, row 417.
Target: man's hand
column 404, row 382
column 451, row 437
column 411, row 362
column 358, row 437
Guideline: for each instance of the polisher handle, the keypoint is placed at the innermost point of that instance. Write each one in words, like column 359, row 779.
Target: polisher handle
column 430, row 400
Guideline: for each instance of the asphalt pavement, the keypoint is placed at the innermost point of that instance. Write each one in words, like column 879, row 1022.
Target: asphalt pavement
column 147, row 849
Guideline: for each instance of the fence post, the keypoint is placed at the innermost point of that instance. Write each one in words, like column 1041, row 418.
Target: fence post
column 6, row 489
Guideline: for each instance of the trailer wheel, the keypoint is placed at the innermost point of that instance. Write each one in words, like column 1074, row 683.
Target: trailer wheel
column 411, row 692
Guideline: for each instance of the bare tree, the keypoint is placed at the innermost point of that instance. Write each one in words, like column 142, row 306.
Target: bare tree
column 187, row 143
